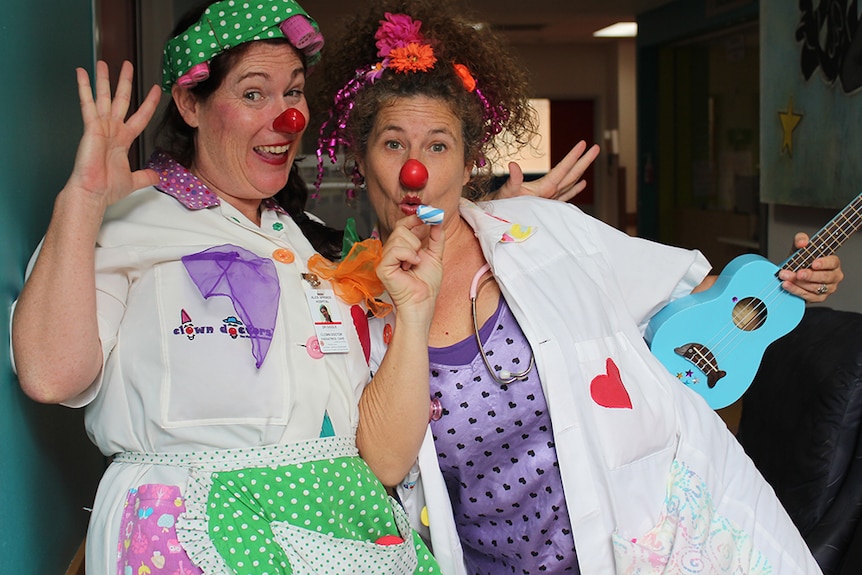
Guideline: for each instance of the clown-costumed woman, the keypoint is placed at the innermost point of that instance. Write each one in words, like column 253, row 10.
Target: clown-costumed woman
column 557, row 443
column 194, row 344
column 196, row 332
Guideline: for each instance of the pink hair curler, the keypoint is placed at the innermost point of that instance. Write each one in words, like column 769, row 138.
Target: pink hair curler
column 197, row 73
column 302, row 34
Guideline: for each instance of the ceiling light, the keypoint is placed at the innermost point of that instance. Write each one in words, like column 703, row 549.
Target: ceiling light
column 618, row 30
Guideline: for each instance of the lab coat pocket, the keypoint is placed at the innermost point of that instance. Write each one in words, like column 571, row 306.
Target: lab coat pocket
column 632, row 416
column 312, row 553
column 691, row 536
column 208, row 352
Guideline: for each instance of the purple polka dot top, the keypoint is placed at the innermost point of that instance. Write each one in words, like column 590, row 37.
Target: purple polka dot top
column 496, row 451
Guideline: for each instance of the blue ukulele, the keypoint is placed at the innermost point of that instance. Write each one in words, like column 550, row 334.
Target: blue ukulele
column 713, row 341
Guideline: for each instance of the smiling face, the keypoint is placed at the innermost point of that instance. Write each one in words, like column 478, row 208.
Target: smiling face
column 423, row 129
column 239, row 154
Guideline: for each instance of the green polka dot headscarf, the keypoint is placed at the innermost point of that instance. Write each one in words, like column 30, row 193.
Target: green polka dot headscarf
column 229, row 23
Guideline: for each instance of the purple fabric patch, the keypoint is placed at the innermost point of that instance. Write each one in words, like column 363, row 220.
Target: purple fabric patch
column 148, row 538
column 249, row 281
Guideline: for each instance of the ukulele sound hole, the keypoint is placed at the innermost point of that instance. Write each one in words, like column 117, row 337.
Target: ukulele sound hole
column 749, row 313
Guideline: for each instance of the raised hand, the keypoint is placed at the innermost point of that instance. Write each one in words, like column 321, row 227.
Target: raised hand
column 411, row 268
column 57, row 363
column 562, row 183
column 102, row 171
column 394, row 407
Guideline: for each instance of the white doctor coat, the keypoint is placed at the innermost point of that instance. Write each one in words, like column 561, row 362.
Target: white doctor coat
column 655, row 483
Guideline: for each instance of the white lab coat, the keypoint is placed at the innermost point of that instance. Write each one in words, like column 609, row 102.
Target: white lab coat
column 659, row 469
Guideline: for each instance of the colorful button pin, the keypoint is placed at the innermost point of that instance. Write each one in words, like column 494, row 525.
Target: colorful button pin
column 312, row 347
column 283, row 255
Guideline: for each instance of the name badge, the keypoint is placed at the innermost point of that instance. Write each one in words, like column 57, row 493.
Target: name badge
column 330, row 329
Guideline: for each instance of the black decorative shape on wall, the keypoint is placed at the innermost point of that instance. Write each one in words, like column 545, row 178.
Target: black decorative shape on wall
column 830, row 41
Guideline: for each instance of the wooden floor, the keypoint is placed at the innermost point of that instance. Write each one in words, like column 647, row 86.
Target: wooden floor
column 731, row 415
column 76, row 567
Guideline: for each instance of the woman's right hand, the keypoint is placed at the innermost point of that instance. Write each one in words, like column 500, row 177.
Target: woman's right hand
column 102, row 171
column 55, row 330
column 411, row 269
column 394, row 406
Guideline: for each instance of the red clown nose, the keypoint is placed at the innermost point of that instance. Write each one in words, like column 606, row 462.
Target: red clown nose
column 413, row 175
column 291, row 121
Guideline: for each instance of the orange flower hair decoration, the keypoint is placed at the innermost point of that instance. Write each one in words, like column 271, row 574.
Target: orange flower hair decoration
column 401, row 46
column 412, row 58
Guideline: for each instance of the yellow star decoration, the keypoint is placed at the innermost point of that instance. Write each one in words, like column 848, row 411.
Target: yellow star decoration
column 789, row 120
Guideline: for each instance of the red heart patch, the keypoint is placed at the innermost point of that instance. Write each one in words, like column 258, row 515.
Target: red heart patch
column 608, row 390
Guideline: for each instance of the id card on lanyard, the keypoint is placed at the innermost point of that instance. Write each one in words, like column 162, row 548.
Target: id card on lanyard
column 328, row 325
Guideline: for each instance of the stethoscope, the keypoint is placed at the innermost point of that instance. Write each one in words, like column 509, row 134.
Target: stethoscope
column 505, row 376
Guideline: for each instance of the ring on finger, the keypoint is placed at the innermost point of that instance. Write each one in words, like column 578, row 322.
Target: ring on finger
column 822, row 289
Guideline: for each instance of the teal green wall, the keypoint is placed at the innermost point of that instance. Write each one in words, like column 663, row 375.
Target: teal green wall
column 48, row 467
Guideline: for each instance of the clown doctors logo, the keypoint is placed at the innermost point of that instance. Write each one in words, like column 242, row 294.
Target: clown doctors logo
column 231, row 326
column 189, row 329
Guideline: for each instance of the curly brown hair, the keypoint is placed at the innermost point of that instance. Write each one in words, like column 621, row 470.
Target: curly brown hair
column 500, row 78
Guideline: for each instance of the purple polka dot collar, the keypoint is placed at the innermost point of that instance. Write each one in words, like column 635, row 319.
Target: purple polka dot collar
column 176, row 181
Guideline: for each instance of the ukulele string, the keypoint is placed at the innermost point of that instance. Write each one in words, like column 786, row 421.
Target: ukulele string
column 825, row 242
column 755, row 311
column 731, row 336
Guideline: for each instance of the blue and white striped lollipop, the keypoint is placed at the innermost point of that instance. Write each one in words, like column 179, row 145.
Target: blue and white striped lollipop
column 430, row 214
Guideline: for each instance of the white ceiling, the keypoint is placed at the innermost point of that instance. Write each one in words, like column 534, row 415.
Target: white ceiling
column 522, row 21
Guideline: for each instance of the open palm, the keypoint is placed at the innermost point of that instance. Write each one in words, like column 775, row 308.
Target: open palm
column 102, row 170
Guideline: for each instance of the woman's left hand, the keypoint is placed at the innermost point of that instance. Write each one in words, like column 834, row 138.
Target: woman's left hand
column 562, row 183
column 814, row 283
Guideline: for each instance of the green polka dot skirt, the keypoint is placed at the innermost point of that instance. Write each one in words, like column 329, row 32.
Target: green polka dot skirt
column 318, row 516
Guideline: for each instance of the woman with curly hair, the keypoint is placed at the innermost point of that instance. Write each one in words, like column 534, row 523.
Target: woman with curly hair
column 557, row 443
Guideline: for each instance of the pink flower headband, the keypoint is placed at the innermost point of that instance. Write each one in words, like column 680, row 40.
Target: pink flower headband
column 404, row 50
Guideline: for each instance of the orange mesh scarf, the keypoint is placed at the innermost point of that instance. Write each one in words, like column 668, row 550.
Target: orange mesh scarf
column 354, row 279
